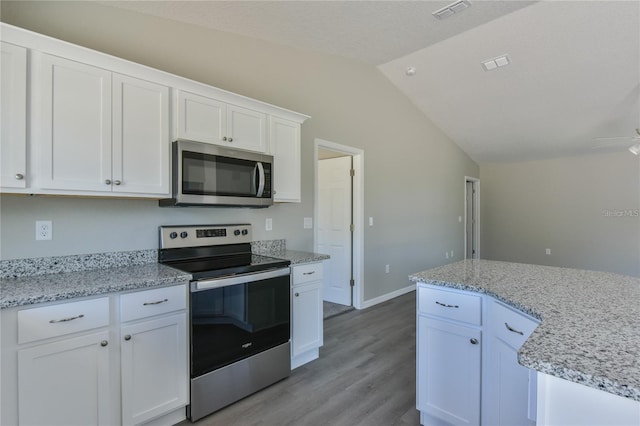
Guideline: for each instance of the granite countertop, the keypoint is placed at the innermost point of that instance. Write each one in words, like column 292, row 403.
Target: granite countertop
column 297, row 257
column 39, row 280
column 590, row 321
column 32, row 289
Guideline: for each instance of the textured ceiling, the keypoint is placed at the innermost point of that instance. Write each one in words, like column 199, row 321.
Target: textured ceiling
column 371, row 31
column 574, row 74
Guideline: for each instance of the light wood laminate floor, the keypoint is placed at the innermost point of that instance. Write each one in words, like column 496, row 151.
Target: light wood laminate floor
column 365, row 376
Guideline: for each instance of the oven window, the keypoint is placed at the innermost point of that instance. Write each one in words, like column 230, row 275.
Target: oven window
column 205, row 174
column 235, row 322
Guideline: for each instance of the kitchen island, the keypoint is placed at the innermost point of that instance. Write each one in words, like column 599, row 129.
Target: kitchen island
column 589, row 332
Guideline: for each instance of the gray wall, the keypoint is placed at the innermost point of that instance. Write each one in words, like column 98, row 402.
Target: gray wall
column 414, row 175
column 585, row 209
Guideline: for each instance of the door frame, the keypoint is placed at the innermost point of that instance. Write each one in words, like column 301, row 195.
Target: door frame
column 357, row 156
column 475, row 182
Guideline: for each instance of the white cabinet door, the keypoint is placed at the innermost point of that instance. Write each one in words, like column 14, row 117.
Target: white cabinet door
column 13, row 116
column 199, row 118
column 306, row 318
column 154, row 368
column 506, row 388
column 72, row 125
column 509, row 389
column 246, row 129
column 284, row 145
column 140, row 136
column 65, row 382
column 448, row 371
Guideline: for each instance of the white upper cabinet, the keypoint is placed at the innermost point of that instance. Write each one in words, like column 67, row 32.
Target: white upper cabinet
column 79, row 122
column 13, row 116
column 199, row 118
column 72, row 124
column 140, row 136
column 99, row 131
column 205, row 119
column 284, row 145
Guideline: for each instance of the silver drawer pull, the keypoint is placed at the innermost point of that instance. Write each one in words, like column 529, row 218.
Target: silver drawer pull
column 309, row 273
column 447, row 306
column 66, row 319
column 513, row 330
column 155, row 303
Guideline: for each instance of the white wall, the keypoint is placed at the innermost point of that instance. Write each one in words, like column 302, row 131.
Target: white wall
column 413, row 173
column 562, row 204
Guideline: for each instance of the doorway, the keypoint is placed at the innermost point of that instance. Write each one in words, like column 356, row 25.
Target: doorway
column 471, row 218
column 338, row 229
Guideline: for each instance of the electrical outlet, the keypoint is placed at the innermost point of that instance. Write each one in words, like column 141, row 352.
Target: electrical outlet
column 451, row 255
column 386, row 269
column 44, row 230
column 446, row 254
column 308, row 223
column 548, row 252
column 268, row 224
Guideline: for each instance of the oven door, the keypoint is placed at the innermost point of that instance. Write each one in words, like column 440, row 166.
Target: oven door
column 236, row 317
column 212, row 175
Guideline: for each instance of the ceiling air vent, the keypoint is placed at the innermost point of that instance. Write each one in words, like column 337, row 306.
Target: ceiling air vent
column 451, row 9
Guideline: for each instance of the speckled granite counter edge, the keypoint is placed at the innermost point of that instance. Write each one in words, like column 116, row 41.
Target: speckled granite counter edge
column 529, row 360
column 16, row 268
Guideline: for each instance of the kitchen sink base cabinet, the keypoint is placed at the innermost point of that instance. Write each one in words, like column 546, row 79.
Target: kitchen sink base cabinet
column 116, row 359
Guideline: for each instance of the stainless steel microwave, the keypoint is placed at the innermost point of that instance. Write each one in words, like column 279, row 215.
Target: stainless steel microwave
column 210, row 175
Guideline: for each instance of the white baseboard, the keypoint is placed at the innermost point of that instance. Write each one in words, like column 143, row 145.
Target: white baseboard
column 372, row 302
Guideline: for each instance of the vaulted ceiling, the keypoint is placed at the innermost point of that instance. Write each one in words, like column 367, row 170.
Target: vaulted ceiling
column 572, row 85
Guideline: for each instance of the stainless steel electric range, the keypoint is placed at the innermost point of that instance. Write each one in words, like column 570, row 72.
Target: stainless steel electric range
column 239, row 313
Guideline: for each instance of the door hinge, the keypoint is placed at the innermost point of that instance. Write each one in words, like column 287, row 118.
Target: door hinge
column 352, row 172
column 352, row 282
column 352, row 227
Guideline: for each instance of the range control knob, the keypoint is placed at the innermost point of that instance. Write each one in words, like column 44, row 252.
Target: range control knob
column 183, row 234
column 245, row 232
column 173, row 235
column 236, row 232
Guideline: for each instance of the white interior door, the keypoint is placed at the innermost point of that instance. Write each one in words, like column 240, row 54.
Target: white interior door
column 334, row 226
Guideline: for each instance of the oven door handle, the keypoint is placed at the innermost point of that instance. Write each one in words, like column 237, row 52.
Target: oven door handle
column 238, row 279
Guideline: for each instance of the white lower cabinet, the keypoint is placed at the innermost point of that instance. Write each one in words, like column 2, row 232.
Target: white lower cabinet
column 65, row 382
column 79, row 363
column 509, row 388
column 306, row 313
column 153, row 368
column 467, row 366
column 448, row 364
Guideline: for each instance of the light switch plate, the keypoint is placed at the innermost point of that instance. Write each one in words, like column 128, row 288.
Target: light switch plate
column 308, row 223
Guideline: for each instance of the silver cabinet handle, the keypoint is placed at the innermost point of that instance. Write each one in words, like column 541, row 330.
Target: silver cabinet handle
column 107, row 181
column 19, row 176
column 224, row 138
column 473, row 341
column 127, row 337
column 297, row 294
column 513, row 330
column 447, row 306
column 230, row 139
column 66, row 319
column 155, row 303
column 104, row 343
column 309, row 273
column 117, row 182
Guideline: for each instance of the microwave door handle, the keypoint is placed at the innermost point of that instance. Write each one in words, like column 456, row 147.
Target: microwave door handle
column 260, row 179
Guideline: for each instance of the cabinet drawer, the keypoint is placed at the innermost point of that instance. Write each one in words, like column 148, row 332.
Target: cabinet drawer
column 307, row 272
column 509, row 325
column 459, row 306
column 65, row 318
column 157, row 301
